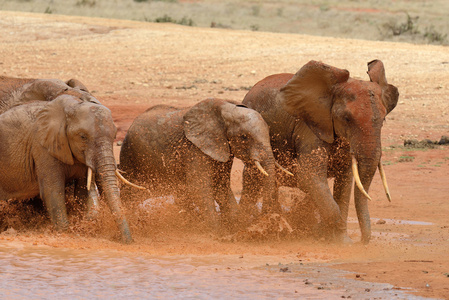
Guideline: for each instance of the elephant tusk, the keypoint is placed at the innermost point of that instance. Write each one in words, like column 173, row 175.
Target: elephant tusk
column 355, row 172
column 283, row 169
column 89, row 178
column 384, row 181
column 117, row 173
column 259, row 166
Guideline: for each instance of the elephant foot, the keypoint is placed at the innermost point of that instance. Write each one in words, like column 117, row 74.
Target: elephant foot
column 365, row 239
column 343, row 239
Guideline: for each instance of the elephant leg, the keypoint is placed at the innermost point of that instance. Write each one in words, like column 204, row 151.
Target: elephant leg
column 271, row 203
column 312, row 179
column 91, row 204
column 251, row 192
column 199, row 186
column 224, row 196
column 52, row 192
column 342, row 195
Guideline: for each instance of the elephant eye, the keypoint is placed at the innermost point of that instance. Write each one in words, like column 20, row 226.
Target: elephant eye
column 347, row 118
column 244, row 138
column 83, row 136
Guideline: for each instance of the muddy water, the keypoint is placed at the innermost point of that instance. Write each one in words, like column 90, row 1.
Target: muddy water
column 40, row 272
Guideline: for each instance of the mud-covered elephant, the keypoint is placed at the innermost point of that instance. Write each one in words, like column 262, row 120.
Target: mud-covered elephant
column 46, row 144
column 189, row 153
column 325, row 124
column 16, row 91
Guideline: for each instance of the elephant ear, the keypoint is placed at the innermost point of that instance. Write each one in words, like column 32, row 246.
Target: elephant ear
column 205, row 128
column 390, row 93
column 309, row 96
column 44, row 90
column 51, row 124
column 76, row 84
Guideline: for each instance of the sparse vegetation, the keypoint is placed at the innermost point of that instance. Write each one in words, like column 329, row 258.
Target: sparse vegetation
column 434, row 36
column 90, row 3
column 410, row 27
column 372, row 20
column 254, row 27
column 48, row 10
column 406, row 158
column 167, row 19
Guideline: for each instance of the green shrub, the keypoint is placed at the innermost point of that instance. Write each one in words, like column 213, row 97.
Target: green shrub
column 168, row 19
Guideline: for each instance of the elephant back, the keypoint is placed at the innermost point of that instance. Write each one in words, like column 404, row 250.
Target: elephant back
column 9, row 87
column 149, row 148
column 263, row 97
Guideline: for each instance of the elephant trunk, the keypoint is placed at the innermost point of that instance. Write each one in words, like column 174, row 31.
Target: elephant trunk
column 105, row 172
column 270, row 198
column 366, row 168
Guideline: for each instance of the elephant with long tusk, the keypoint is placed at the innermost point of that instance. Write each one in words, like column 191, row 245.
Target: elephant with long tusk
column 189, row 153
column 325, row 124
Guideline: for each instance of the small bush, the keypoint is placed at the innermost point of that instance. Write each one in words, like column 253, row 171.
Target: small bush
column 408, row 26
column 434, row 36
column 168, row 19
column 254, row 27
column 90, row 3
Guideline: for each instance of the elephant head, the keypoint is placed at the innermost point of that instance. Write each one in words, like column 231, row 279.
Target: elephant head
column 81, row 133
column 49, row 89
column 334, row 105
column 222, row 129
column 16, row 91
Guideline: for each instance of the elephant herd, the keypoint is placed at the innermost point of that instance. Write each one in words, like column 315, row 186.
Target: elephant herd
column 293, row 130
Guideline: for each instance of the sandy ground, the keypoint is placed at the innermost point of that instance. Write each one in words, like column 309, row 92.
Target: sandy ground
column 130, row 66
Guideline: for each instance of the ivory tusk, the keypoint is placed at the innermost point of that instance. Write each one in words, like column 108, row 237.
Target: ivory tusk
column 259, row 166
column 89, row 178
column 117, row 173
column 283, row 169
column 384, row 181
column 355, row 173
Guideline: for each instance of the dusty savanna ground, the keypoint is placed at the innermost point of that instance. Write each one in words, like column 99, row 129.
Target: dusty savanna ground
column 130, row 66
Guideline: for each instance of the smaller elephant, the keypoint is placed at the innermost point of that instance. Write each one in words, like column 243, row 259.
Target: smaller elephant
column 189, row 153
column 16, row 91
column 46, row 144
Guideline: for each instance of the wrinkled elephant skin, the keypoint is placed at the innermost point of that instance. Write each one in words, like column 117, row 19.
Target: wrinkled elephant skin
column 189, row 153
column 321, row 121
column 16, row 91
column 46, row 144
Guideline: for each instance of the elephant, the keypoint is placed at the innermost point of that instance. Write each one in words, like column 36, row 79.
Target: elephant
column 324, row 124
column 16, row 91
column 46, row 144
column 188, row 153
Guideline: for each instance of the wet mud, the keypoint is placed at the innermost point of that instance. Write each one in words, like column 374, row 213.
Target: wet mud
column 49, row 273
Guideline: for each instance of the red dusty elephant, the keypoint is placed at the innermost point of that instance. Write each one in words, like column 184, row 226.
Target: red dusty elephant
column 325, row 124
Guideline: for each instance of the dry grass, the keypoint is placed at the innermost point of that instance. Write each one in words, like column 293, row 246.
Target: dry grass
column 371, row 20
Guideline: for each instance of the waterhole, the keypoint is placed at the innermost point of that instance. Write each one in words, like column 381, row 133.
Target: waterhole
column 41, row 272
